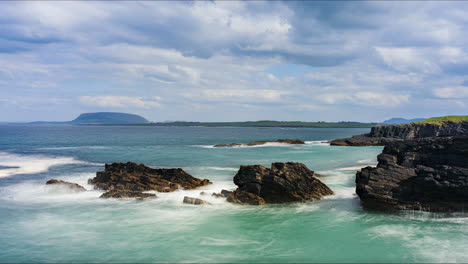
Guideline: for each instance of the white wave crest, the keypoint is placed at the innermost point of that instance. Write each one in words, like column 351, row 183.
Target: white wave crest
column 80, row 147
column 30, row 164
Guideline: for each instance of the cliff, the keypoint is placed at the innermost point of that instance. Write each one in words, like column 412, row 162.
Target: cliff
column 428, row 174
column 381, row 135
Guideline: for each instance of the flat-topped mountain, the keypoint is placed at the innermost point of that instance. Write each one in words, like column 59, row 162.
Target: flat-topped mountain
column 109, row 118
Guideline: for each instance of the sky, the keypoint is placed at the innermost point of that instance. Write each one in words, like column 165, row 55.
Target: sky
column 234, row 61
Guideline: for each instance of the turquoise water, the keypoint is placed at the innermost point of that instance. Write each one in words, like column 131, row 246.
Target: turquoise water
column 43, row 224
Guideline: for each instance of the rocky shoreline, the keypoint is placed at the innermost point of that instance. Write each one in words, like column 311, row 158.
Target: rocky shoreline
column 384, row 134
column 429, row 174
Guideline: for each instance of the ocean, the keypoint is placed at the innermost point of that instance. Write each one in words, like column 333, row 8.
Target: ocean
column 42, row 224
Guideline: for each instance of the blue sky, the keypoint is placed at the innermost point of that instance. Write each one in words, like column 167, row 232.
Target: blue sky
column 234, row 61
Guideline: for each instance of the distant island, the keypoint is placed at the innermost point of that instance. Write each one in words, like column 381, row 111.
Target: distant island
column 109, row 118
column 100, row 118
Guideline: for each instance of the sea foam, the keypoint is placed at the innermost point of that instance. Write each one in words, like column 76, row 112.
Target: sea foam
column 30, row 164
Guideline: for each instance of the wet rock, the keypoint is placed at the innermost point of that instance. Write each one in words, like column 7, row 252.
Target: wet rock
column 138, row 177
column 429, row 174
column 245, row 198
column 127, row 194
column 223, row 194
column 72, row 186
column 283, row 183
column 196, row 201
column 255, row 143
column 284, row 141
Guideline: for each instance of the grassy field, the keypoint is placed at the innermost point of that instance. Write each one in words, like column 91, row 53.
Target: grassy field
column 267, row 123
column 444, row 119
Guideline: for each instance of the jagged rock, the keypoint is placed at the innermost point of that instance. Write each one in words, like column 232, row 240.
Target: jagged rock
column 428, row 174
column 255, row 143
column 223, row 194
column 73, row 186
column 382, row 135
column 133, row 177
column 246, row 198
column 127, row 194
column 284, row 141
column 284, row 182
column 362, row 140
column 196, row 201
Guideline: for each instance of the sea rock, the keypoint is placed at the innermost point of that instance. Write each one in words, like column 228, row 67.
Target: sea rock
column 255, row 143
column 223, row 194
column 382, row 135
column 429, row 174
column 72, row 186
column 227, row 145
column 138, row 177
column 127, row 194
column 284, row 141
column 196, row 201
column 283, row 183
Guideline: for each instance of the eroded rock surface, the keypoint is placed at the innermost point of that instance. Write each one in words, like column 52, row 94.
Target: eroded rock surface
column 195, row 201
column 138, row 177
column 382, row 135
column 72, row 186
column 127, row 194
column 428, row 174
column 282, row 183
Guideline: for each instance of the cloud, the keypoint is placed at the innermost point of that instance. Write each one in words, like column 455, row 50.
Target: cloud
column 251, row 59
column 237, row 95
column 456, row 92
column 111, row 101
column 366, row 98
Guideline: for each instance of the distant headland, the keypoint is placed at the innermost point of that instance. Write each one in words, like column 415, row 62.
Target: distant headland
column 126, row 119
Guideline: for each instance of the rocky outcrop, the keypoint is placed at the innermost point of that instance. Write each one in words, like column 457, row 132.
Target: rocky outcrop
column 222, row 194
column 138, row 177
column 72, row 186
column 383, row 134
column 283, row 183
column 362, row 140
column 127, row 194
column 195, row 201
column 256, row 143
column 428, row 174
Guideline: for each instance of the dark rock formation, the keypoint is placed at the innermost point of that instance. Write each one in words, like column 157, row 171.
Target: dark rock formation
column 284, row 141
column 223, row 194
column 255, row 143
column 127, row 194
column 73, row 186
column 196, row 201
column 133, row 177
column 283, row 183
column 384, row 134
column 428, row 174
column 362, row 140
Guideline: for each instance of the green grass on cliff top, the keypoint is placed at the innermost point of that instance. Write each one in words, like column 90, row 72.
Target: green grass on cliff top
column 444, row 119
